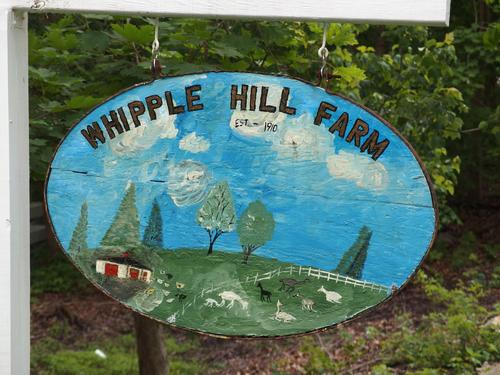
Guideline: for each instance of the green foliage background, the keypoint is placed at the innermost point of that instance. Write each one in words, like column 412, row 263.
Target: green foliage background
column 436, row 85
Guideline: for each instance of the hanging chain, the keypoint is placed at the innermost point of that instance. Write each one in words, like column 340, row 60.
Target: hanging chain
column 155, row 51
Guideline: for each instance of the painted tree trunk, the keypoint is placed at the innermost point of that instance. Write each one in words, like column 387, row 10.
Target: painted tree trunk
column 150, row 346
column 247, row 251
column 211, row 247
column 212, row 241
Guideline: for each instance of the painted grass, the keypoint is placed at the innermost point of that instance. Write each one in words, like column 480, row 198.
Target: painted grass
column 226, row 272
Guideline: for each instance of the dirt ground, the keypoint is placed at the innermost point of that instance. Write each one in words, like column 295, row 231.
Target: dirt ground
column 94, row 315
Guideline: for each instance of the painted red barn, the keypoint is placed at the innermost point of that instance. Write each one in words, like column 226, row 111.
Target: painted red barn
column 123, row 267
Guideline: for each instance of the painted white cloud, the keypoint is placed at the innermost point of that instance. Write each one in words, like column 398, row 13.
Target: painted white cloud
column 364, row 171
column 299, row 139
column 194, row 143
column 187, row 182
column 143, row 137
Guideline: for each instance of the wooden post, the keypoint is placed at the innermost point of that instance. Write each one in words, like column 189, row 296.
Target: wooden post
column 150, row 346
column 14, row 194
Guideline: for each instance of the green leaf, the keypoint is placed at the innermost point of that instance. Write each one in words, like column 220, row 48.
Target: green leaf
column 141, row 35
column 62, row 41
column 351, row 74
column 224, row 50
column 449, row 38
column 78, row 102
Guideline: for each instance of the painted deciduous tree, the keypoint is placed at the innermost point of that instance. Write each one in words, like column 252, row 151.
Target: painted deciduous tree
column 217, row 215
column 153, row 235
column 79, row 238
column 124, row 230
column 353, row 260
column 255, row 227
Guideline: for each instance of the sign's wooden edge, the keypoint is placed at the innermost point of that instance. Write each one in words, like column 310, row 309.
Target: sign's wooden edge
column 360, row 314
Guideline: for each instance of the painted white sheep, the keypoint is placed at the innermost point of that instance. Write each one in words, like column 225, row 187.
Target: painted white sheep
column 232, row 297
column 331, row 296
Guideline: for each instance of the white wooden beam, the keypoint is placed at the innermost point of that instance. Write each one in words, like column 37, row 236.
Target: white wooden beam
column 14, row 194
column 422, row 12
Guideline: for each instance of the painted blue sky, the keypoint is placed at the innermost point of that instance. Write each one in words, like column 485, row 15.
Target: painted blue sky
column 320, row 189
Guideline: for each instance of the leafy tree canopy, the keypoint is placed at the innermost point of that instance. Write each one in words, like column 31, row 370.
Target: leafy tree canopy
column 124, row 230
column 255, row 227
column 217, row 214
column 79, row 238
column 153, row 235
column 353, row 260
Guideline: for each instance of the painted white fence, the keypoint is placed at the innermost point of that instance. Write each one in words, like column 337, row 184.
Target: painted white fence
column 290, row 270
column 200, row 295
column 315, row 273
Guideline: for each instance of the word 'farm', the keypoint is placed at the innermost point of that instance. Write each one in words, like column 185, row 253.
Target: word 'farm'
column 244, row 97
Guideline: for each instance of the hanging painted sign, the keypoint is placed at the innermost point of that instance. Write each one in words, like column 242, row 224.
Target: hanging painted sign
column 240, row 204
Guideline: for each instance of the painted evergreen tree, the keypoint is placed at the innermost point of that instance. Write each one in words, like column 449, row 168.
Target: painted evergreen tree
column 79, row 238
column 255, row 227
column 124, row 230
column 353, row 260
column 153, row 235
column 217, row 215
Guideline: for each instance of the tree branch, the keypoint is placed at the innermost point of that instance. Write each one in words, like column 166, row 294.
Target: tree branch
column 218, row 233
column 209, row 234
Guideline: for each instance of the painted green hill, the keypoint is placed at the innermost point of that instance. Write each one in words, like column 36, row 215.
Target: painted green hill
column 223, row 293
column 187, row 286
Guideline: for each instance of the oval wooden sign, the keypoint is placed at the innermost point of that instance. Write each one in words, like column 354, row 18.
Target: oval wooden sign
column 240, row 204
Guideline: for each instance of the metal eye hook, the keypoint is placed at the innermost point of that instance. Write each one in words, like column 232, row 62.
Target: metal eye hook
column 155, row 48
column 323, row 55
column 155, row 51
